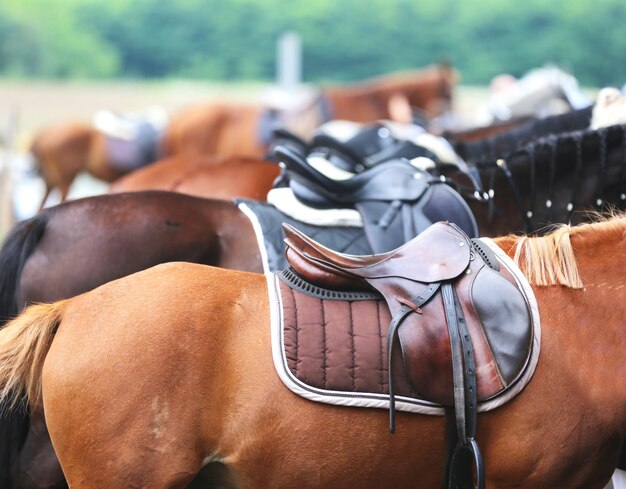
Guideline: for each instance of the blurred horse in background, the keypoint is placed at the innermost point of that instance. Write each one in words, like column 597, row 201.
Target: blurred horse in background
column 115, row 144
column 229, row 129
column 226, row 129
column 204, row 176
column 539, row 94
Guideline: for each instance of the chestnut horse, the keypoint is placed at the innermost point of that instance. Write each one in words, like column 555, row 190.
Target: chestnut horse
column 204, row 176
column 210, row 401
column 64, row 150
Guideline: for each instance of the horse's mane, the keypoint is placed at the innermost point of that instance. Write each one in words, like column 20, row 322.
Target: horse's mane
column 574, row 157
column 502, row 145
column 549, row 259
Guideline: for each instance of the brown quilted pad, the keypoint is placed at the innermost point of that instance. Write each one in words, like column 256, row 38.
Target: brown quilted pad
column 339, row 345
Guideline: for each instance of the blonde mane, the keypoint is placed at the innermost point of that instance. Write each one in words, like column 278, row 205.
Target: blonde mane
column 550, row 260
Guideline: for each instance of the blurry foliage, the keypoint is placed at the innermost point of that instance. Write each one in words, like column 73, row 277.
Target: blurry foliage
column 345, row 40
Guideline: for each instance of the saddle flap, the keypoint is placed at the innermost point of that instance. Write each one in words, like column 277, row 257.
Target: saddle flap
column 441, row 252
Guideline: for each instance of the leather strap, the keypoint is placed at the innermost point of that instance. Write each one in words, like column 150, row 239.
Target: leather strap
column 465, row 394
column 396, row 321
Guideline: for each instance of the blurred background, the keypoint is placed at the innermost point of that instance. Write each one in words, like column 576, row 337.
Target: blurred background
column 66, row 59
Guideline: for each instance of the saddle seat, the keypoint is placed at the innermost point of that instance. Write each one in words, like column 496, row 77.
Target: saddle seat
column 434, row 256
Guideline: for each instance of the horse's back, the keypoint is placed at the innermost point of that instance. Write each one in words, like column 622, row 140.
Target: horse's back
column 161, row 175
column 91, row 241
column 220, row 178
column 221, row 129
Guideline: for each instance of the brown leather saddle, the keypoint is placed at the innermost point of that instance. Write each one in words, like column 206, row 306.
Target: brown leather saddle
column 462, row 326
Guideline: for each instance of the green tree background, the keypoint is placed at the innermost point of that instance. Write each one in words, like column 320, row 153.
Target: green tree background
column 342, row 40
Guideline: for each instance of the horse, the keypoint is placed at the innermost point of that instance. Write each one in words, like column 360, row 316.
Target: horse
column 64, row 150
column 93, row 224
column 209, row 405
column 211, row 177
column 113, row 145
column 227, row 129
column 473, row 146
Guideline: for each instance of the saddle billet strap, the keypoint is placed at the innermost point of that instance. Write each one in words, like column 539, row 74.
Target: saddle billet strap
column 396, row 321
column 465, row 392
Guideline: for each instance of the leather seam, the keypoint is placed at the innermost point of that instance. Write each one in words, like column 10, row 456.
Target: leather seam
column 352, row 347
column 381, row 349
column 295, row 305
column 324, row 354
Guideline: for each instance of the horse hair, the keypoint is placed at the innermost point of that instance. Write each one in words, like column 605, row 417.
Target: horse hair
column 18, row 246
column 549, row 260
column 491, row 148
column 562, row 154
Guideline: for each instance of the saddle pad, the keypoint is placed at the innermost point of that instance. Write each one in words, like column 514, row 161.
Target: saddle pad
column 267, row 223
column 334, row 351
column 130, row 154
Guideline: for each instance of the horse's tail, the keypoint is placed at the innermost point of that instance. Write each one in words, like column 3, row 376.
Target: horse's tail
column 18, row 246
column 24, row 344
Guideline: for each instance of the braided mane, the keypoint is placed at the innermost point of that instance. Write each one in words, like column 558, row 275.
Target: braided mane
column 502, row 145
column 549, row 260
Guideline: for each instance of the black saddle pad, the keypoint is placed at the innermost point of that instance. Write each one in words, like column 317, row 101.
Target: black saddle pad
column 345, row 239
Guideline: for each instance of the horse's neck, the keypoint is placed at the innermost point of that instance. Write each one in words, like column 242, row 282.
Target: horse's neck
column 585, row 329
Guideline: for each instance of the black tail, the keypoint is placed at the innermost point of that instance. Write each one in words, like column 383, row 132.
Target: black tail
column 18, row 246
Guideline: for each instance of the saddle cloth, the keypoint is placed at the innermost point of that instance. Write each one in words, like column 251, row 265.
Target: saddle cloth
column 330, row 345
column 267, row 223
column 132, row 140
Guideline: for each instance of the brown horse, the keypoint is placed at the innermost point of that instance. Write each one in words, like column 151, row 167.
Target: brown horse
column 211, row 401
column 233, row 129
column 219, row 178
column 63, row 151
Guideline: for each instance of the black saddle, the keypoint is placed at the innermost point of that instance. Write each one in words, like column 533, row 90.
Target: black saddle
column 285, row 138
column 396, row 200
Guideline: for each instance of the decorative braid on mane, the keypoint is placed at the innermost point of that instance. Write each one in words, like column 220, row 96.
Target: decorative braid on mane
column 502, row 145
column 549, row 260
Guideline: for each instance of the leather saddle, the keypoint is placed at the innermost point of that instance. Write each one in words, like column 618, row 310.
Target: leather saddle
column 461, row 325
column 396, row 200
